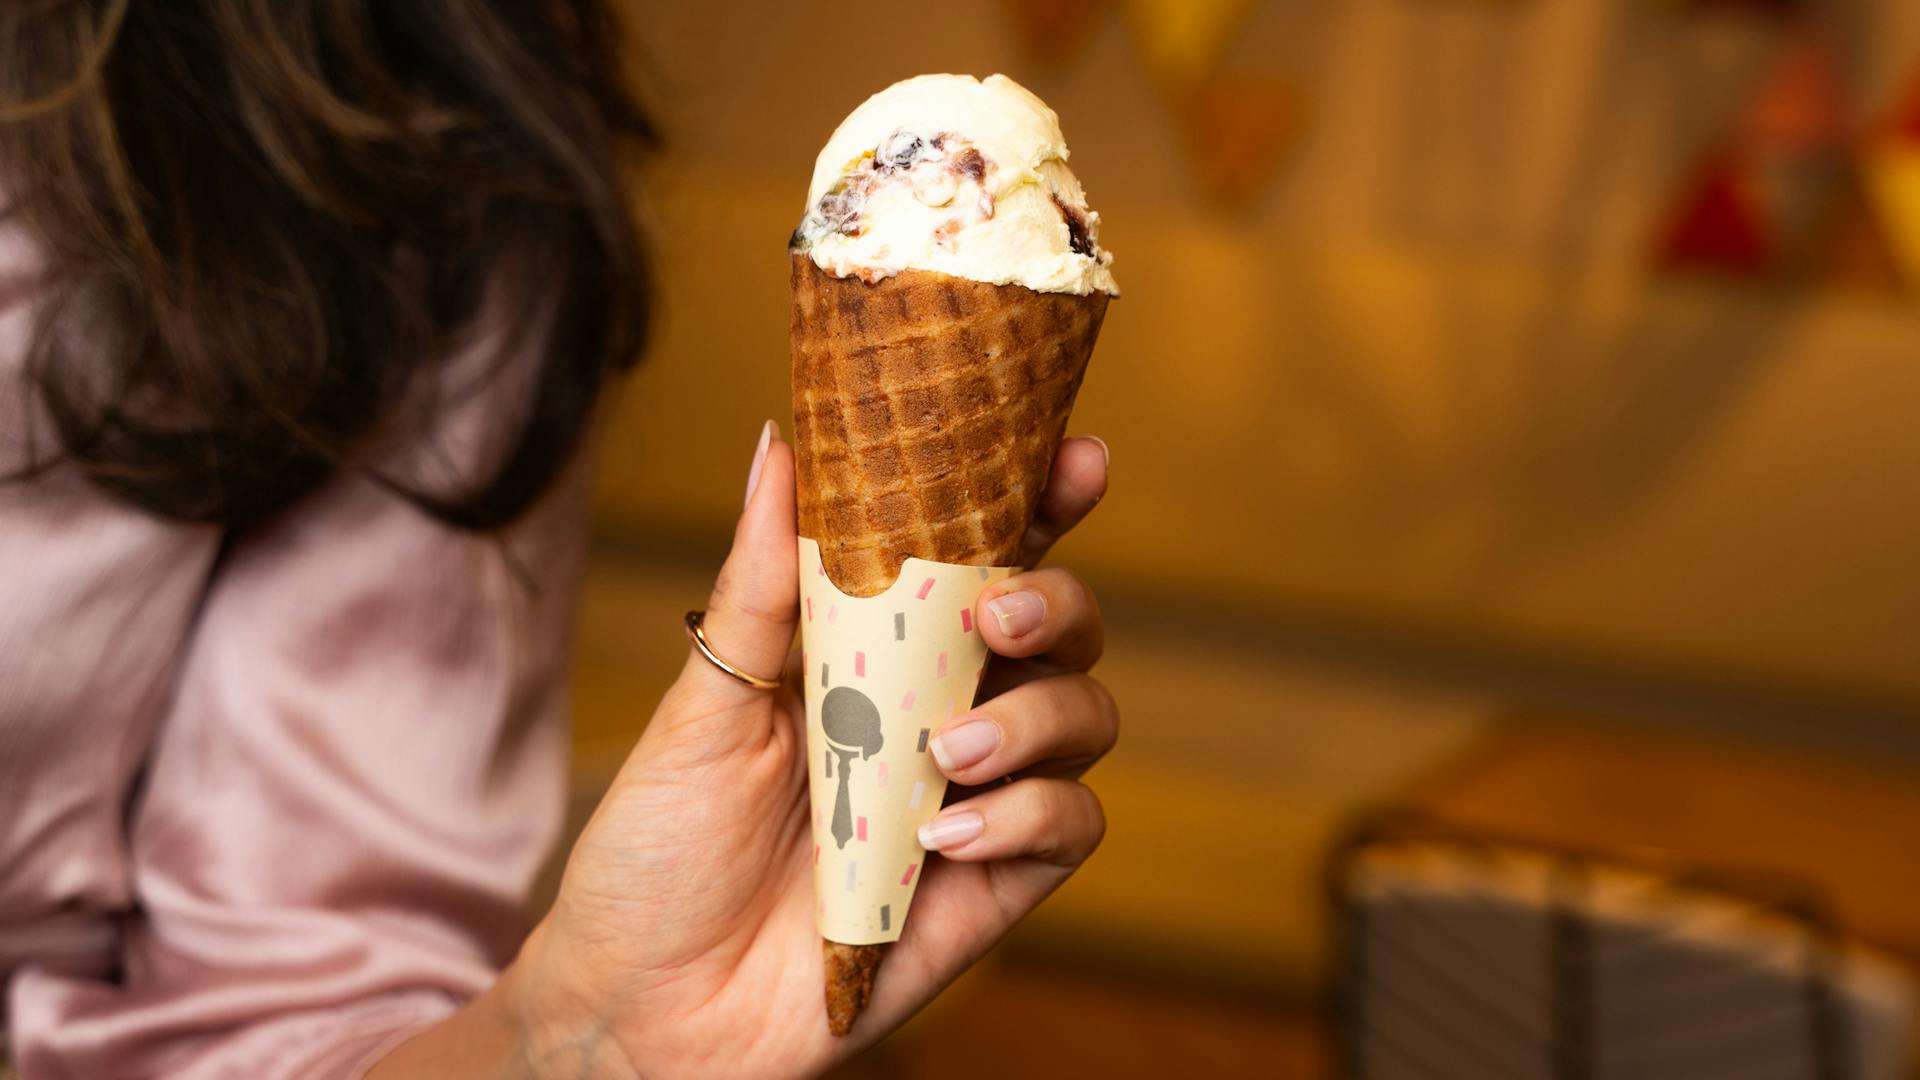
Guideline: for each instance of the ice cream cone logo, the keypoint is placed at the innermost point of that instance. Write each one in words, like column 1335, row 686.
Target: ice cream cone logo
column 851, row 723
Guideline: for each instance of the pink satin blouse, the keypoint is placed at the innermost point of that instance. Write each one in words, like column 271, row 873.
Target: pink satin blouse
column 271, row 802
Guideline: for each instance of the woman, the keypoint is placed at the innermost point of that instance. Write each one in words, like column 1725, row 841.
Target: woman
column 305, row 306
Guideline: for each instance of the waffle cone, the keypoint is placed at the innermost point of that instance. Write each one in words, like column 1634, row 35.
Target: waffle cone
column 926, row 413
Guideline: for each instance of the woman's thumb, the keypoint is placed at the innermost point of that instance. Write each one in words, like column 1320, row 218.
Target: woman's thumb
column 755, row 603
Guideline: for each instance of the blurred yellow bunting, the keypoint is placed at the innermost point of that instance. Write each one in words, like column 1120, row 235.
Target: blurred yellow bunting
column 1184, row 41
column 1892, row 166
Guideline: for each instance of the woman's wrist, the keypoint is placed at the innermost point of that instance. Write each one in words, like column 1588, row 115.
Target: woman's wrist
column 562, row 1030
column 529, row 1023
column 485, row 1038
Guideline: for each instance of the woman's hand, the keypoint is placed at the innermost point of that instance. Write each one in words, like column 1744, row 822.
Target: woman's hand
column 683, row 940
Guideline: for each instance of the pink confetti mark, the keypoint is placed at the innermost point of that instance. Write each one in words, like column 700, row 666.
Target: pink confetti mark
column 809, row 609
column 860, row 828
column 860, row 665
column 925, row 588
column 966, row 620
column 833, row 613
column 940, row 666
column 880, row 772
column 823, row 568
column 906, row 703
column 907, row 878
column 816, row 854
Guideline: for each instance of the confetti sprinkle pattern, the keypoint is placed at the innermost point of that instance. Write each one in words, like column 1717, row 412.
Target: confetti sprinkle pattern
column 893, row 785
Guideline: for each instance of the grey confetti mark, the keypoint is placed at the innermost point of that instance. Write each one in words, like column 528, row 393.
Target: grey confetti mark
column 886, row 916
column 852, row 869
column 923, row 740
column 899, row 626
column 823, row 674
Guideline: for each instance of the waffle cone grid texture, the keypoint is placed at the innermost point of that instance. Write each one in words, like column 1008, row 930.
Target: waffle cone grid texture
column 926, row 413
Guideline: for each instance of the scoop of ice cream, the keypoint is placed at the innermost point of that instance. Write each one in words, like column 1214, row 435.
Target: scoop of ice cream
column 957, row 175
column 851, row 719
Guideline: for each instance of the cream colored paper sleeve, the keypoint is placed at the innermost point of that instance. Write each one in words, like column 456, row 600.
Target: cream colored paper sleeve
column 882, row 674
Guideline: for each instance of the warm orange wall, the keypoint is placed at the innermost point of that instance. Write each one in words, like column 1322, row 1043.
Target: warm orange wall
column 1427, row 382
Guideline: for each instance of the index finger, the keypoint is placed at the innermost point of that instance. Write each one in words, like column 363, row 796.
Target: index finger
column 1076, row 485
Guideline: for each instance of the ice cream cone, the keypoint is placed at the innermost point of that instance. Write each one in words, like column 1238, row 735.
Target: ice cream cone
column 926, row 413
column 947, row 285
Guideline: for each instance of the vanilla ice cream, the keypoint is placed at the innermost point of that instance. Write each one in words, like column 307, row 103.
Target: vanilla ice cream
column 957, row 175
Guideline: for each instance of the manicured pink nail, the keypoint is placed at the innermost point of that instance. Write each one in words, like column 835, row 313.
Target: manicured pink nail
column 759, row 459
column 1106, row 455
column 965, row 746
column 951, row 830
column 1018, row 613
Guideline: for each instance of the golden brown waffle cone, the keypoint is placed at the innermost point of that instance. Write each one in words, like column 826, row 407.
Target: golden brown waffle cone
column 926, row 413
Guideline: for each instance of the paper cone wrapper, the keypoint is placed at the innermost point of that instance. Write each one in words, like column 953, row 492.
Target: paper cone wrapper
column 882, row 674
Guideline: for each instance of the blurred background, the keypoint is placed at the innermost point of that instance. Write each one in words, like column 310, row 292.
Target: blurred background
column 1515, row 416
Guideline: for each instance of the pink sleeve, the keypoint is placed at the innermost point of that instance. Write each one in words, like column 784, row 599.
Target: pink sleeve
column 361, row 774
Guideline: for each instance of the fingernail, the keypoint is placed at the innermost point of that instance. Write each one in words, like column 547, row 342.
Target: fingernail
column 1106, row 455
column 951, row 829
column 1019, row 613
column 964, row 746
column 759, row 459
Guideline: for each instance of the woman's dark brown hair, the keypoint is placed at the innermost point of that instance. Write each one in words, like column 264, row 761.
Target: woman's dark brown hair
column 268, row 224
